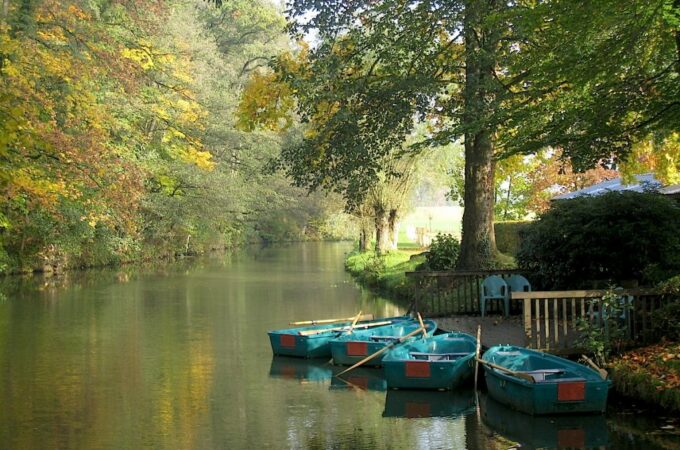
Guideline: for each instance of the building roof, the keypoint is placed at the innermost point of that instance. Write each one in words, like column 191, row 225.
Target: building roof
column 645, row 182
column 671, row 190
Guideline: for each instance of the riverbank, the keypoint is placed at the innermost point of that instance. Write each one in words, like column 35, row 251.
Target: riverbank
column 65, row 263
column 385, row 274
column 650, row 374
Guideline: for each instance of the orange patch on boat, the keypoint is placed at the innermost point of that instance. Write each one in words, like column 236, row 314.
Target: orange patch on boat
column 287, row 340
column 571, row 392
column 418, row 369
column 357, row 348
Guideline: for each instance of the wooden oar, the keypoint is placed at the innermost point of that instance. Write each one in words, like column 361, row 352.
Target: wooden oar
column 362, row 326
column 381, row 351
column 327, row 321
column 422, row 325
column 477, row 352
column 521, row 375
column 603, row 373
column 354, row 322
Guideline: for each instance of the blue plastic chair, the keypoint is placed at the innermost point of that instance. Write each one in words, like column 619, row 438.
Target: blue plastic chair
column 517, row 283
column 494, row 288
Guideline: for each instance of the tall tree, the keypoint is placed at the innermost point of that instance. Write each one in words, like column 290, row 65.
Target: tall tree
column 591, row 79
column 380, row 65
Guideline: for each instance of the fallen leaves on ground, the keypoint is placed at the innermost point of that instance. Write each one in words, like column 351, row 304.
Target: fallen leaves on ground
column 661, row 361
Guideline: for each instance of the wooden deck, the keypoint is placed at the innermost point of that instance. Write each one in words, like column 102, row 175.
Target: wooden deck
column 544, row 320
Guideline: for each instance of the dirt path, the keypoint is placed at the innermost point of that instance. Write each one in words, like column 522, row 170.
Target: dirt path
column 495, row 329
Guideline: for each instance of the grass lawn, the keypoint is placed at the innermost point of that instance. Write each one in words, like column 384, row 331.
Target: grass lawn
column 435, row 219
column 386, row 273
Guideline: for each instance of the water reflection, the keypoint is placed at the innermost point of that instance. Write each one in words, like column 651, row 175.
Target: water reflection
column 545, row 432
column 418, row 404
column 303, row 370
column 361, row 378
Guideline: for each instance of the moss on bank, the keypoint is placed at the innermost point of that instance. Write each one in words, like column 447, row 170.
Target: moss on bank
column 387, row 273
column 650, row 374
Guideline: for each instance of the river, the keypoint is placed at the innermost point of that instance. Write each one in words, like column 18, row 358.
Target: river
column 177, row 356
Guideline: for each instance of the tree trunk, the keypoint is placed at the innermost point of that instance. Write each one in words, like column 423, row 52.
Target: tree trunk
column 364, row 236
column 478, row 244
column 394, row 229
column 382, row 234
column 5, row 10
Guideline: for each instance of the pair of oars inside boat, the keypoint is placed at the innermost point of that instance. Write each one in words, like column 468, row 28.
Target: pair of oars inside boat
column 523, row 376
column 520, row 375
column 329, row 321
column 345, row 328
column 348, row 330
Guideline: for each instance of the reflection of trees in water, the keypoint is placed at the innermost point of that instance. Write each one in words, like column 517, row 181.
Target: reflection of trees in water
column 89, row 373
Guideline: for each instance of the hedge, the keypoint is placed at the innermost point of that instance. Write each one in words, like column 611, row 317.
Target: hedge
column 507, row 236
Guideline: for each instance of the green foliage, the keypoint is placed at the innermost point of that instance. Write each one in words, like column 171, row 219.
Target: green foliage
column 118, row 136
column 638, row 384
column 443, row 253
column 386, row 272
column 665, row 321
column 544, row 76
column 610, row 69
column 508, row 236
column 603, row 340
column 617, row 236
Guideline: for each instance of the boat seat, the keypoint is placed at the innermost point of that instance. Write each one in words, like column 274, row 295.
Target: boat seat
column 556, row 380
column 438, row 356
column 385, row 338
column 540, row 374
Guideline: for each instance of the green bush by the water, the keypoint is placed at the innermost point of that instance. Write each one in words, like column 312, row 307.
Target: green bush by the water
column 443, row 253
column 385, row 273
column 616, row 237
column 665, row 321
column 507, row 236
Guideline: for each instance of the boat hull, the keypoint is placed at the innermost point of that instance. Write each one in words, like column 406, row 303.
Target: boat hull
column 576, row 390
column 403, row 369
column 289, row 342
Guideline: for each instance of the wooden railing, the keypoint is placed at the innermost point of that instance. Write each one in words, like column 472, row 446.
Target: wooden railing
column 454, row 292
column 551, row 317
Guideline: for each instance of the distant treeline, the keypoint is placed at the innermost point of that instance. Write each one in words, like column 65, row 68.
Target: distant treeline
column 118, row 139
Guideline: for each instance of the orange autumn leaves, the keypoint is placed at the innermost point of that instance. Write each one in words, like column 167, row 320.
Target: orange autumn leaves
column 76, row 103
column 660, row 361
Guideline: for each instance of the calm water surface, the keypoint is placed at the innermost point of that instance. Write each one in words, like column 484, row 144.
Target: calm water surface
column 179, row 357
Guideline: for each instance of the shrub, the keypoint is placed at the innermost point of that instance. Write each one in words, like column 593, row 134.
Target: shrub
column 507, row 236
column 443, row 253
column 616, row 237
column 666, row 320
column 602, row 341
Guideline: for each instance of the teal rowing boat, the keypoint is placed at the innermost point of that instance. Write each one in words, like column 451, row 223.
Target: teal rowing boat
column 313, row 341
column 538, row 383
column 349, row 349
column 438, row 362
